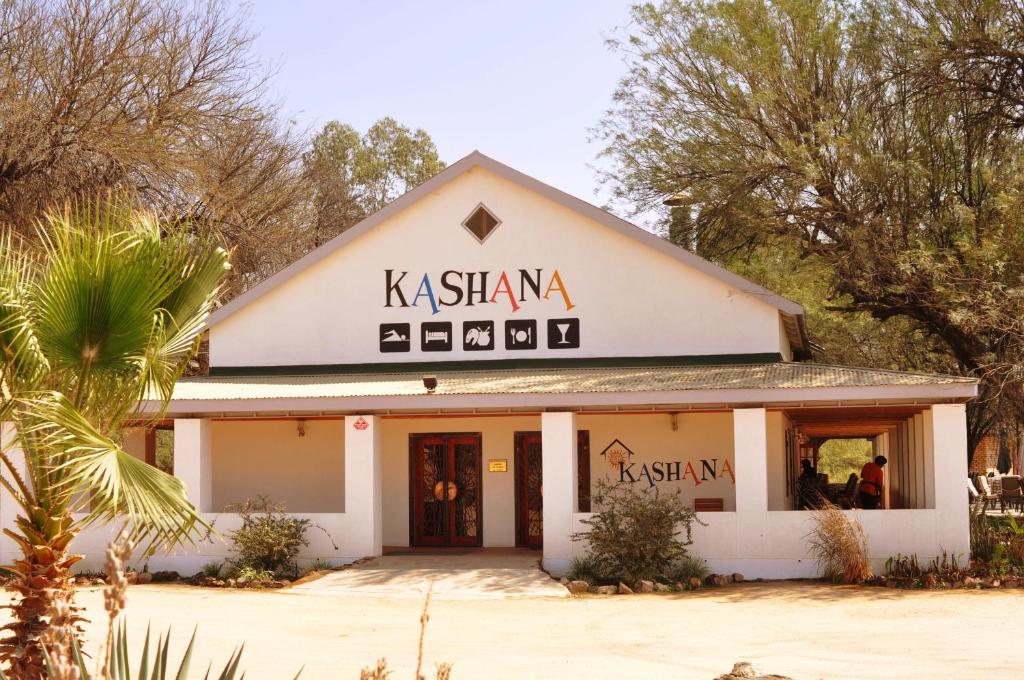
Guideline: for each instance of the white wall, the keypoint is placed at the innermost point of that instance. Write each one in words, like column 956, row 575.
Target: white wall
column 254, row 457
column 631, row 300
column 653, row 438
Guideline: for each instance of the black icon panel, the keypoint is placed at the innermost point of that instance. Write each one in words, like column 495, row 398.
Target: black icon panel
column 521, row 334
column 477, row 336
column 436, row 336
column 563, row 333
column 394, row 337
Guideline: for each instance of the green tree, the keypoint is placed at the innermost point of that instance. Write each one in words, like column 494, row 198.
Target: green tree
column 352, row 176
column 104, row 314
column 826, row 126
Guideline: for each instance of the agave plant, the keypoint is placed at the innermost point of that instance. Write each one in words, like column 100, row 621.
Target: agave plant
column 154, row 664
column 106, row 313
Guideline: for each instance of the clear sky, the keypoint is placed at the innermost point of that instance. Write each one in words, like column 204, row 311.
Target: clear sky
column 522, row 81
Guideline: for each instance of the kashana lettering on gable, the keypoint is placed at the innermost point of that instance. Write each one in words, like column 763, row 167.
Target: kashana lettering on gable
column 472, row 288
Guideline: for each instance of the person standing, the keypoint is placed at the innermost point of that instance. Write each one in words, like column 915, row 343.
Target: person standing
column 871, row 480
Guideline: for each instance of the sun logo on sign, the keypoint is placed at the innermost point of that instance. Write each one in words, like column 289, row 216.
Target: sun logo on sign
column 617, row 454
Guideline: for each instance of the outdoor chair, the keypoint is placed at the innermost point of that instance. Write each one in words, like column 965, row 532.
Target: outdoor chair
column 848, row 497
column 985, row 493
column 972, row 492
column 1011, row 495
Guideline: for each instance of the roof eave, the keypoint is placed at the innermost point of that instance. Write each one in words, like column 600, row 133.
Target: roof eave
column 958, row 392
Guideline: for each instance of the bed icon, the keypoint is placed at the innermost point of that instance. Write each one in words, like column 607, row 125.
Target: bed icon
column 436, row 336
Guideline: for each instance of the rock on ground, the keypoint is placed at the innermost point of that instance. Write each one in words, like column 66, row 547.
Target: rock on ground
column 742, row 670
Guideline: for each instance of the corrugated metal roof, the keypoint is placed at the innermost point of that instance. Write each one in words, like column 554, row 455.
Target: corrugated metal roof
column 555, row 381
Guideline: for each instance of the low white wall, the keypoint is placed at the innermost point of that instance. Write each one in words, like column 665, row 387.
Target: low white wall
column 774, row 545
column 328, row 540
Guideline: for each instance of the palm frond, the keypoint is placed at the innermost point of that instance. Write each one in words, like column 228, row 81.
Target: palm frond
column 22, row 363
column 182, row 313
column 92, row 473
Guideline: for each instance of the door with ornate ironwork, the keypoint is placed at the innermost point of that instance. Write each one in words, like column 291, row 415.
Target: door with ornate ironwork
column 445, row 482
column 530, row 485
column 529, row 491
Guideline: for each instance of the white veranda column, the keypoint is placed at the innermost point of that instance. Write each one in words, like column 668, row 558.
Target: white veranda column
column 363, row 493
column 558, row 469
column 949, row 442
column 192, row 463
column 750, row 448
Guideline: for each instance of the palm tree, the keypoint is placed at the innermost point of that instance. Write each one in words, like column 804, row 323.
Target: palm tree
column 101, row 317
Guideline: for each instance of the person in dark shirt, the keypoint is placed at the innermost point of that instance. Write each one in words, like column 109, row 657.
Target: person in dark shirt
column 807, row 485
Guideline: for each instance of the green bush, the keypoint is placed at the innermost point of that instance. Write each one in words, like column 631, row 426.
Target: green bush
column 635, row 534
column 587, row 568
column 212, row 569
column 687, row 567
column 269, row 540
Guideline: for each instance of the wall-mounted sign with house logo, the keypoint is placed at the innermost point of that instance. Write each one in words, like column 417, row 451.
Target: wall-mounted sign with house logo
column 616, row 454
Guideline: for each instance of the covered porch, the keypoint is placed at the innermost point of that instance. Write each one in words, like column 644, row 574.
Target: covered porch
column 347, row 451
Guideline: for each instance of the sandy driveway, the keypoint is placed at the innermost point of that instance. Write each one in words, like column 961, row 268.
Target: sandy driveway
column 797, row 629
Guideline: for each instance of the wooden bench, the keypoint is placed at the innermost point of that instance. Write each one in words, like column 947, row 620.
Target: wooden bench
column 709, row 505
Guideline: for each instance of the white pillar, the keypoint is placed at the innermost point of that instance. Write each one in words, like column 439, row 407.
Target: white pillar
column 192, row 462
column 750, row 451
column 949, row 437
column 558, row 470
column 363, row 494
column 928, row 457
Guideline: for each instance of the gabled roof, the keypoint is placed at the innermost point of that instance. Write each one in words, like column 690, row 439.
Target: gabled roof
column 792, row 312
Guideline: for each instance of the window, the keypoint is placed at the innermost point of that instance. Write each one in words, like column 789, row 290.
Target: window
column 160, row 447
column 481, row 223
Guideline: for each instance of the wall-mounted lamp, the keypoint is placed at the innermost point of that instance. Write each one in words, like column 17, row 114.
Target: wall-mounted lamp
column 300, row 427
column 430, row 382
column 674, row 421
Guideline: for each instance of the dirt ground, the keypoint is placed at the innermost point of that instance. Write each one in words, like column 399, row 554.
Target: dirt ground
column 801, row 630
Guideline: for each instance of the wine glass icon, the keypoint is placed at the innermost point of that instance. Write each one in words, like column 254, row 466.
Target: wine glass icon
column 563, row 329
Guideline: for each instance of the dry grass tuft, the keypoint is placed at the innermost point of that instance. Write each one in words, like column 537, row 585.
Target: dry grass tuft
column 839, row 546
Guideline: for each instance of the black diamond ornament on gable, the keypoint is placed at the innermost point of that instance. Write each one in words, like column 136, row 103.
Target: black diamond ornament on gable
column 481, row 223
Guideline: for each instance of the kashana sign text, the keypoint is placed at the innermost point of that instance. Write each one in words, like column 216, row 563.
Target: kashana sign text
column 455, row 288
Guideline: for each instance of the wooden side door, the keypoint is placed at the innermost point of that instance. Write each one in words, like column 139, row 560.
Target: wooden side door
column 529, row 490
column 529, row 485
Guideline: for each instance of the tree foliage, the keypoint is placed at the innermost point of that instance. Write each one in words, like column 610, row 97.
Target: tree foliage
column 846, row 132
column 153, row 97
column 352, row 176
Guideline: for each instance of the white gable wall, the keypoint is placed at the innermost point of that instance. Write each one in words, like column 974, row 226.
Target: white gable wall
column 630, row 299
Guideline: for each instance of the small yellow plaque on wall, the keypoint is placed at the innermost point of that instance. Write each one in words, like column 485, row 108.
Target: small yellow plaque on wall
column 497, row 465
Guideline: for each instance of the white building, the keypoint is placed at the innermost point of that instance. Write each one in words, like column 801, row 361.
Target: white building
column 416, row 380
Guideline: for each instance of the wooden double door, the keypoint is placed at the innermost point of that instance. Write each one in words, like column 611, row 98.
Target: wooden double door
column 445, row 496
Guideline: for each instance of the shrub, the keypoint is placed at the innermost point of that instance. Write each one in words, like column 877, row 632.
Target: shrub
column 269, row 540
column 839, row 545
column 212, row 569
column 687, row 567
column 253, row 575
column 586, row 568
column 634, row 534
column 997, row 543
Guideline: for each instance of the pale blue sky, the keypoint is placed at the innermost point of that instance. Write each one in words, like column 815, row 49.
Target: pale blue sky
column 522, row 81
